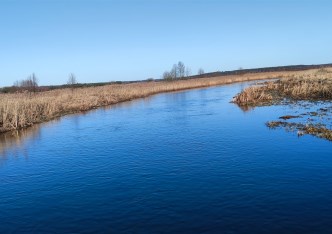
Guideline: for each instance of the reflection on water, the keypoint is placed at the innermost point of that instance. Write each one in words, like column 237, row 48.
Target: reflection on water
column 245, row 108
column 15, row 141
column 128, row 104
column 182, row 162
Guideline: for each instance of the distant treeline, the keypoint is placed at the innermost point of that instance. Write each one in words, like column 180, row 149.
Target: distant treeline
column 14, row 88
column 264, row 69
column 178, row 71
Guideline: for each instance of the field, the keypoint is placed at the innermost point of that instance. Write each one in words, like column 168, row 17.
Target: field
column 22, row 110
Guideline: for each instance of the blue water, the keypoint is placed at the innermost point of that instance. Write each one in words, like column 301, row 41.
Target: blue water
column 183, row 162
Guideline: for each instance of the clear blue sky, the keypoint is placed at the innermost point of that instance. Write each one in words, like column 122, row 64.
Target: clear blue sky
column 129, row 40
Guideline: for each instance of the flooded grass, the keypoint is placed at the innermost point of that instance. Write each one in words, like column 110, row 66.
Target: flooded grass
column 316, row 123
column 305, row 91
column 317, row 130
column 285, row 117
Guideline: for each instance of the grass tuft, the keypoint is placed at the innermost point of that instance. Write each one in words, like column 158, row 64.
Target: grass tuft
column 310, row 85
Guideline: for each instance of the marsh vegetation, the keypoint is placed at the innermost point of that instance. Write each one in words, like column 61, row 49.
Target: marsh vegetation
column 310, row 85
column 313, row 87
column 23, row 109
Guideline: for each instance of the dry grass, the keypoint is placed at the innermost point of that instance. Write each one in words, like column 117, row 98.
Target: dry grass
column 19, row 111
column 309, row 85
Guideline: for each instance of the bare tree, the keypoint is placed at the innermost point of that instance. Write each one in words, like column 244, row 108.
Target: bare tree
column 72, row 80
column 34, row 82
column 174, row 71
column 167, row 76
column 200, row 71
column 181, row 69
column 30, row 84
column 178, row 71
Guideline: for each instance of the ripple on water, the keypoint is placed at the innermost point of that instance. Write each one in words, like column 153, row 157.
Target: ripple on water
column 186, row 162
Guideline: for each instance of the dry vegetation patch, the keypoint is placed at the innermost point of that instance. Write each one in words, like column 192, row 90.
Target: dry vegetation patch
column 21, row 110
column 310, row 85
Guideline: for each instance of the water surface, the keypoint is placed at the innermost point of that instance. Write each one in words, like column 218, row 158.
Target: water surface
column 183, row 162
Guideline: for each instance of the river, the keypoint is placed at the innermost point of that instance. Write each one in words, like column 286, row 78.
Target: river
column 181, row 162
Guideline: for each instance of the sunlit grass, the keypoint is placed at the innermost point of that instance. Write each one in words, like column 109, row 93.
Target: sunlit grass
column 309, row 85
column 21, row 110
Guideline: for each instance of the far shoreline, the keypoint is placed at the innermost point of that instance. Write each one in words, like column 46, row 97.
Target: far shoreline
column 23, row 110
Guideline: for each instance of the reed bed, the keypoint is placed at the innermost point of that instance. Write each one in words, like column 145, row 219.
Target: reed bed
column 309, row 85
column 22, row 110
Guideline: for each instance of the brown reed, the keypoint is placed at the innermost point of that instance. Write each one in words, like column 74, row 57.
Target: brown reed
column 22, row 110
column 310, row 85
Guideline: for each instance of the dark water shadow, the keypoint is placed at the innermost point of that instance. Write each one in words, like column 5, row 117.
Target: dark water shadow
column 12, row 143
column 15, row 143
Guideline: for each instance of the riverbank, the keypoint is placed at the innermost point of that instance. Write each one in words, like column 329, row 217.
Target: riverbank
column 313, row 88
column 313, row 85
column 22, row 110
